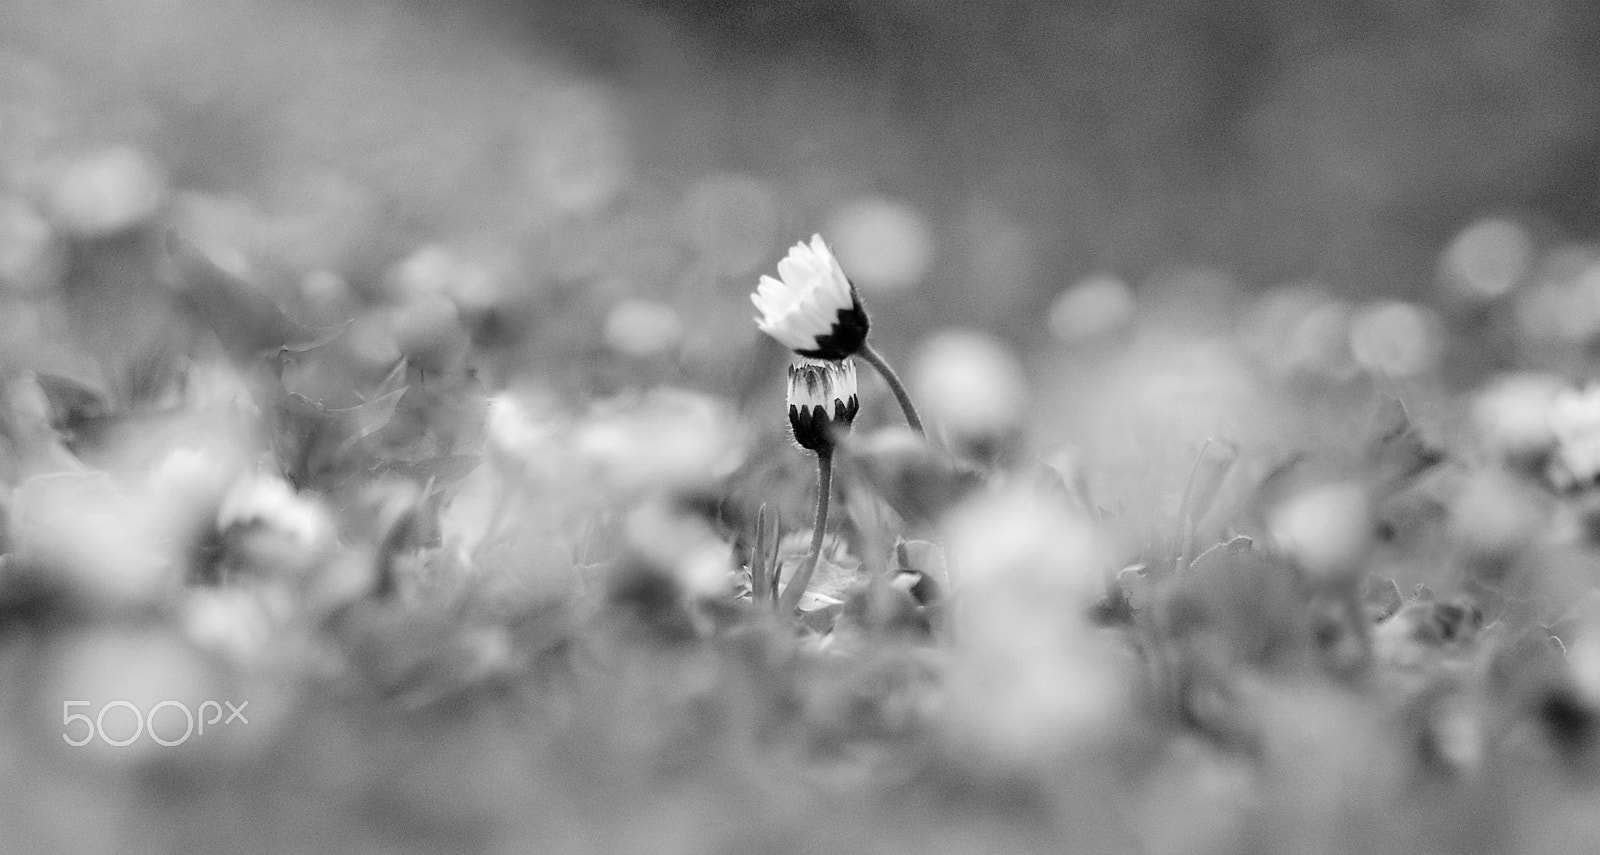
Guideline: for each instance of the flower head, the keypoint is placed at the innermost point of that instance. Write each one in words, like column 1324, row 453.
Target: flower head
column 272, row 530
column 814, row 310
column 822, row 401
column 1574, row 417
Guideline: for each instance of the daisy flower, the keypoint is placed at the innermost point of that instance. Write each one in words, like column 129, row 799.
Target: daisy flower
column 812, row 308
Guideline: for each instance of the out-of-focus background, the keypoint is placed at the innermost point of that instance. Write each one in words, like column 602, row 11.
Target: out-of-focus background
column 970, row 161
column 390, row 365
column 1407, row 189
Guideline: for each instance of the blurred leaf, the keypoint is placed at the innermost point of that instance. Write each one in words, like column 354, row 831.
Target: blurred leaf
column 1247, row 597
column 355, row 423
column 1397, row 450
column 72, row 403
column 918, row 481
column 836, row 569
column 434, row 417
column 1211, row 466
column 441, row 472
column 88, row 421
column 818, row 612
column 368, row 418
column 1382, row 597
column 154, row 378
column 761, row 586
column 247, row 321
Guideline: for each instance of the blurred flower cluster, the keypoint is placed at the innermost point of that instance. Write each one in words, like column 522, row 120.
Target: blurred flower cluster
column 493, row 514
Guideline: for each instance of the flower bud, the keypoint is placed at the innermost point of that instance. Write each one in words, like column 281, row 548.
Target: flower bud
column 822, row 401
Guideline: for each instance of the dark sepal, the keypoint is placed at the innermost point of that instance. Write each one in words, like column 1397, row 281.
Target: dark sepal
column 811, row 427
column 844, row 412
column 848, row 334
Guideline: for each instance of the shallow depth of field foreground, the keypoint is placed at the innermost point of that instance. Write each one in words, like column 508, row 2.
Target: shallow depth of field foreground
column 813, row 427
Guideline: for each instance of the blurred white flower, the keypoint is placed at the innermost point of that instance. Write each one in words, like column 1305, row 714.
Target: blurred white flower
column 1397, row 339
column 643, row 327
column 238, row 623
column 813, row 310
column 1026, row 693
column 516, row 435
column 1328, row 528
column 443, row 271
column 1092, row 310
column 1301, row 328
column 1487, row 259
column 269, row 501
column 1574, row 416
column 1497, row 514
column 184, row 487
column 669, row 438
column 217, row 387
column 277, row 529
column 1033, row 677
column 822, row 402
column 429, row 330
column 327, row 296
column 98, row 540
column 189, row 475
column 889, row 243
column 1023, row 548
column 972, row 386
column 1512, row 413
column 370, row 339
column 685, row 545
column 106, row 191
column 1561, row 302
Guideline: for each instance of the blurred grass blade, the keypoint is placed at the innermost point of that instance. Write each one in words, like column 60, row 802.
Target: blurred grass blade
column 758, row 554
column 1211, row 466
column 245, row 319
column 774, row 567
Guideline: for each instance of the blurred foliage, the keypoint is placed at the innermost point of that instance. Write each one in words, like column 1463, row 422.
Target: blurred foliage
column 389, row 366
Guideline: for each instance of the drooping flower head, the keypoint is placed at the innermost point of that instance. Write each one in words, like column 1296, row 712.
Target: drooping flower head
column 822, row 401
column 814, row 310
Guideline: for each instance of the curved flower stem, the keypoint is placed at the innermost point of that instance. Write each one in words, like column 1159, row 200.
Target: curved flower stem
column 797, row 586
column 876, row 360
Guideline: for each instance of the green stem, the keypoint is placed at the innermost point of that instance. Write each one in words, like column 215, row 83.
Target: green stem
column 797, row 586
column 876, row 360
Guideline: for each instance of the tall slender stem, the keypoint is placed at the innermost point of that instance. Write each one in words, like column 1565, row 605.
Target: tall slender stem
column 797, row 585
column 876, row 360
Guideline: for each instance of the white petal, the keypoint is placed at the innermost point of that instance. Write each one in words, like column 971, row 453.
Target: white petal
column 786, row 335
column 777, row 296
column 836, row 293
column 815, row 319
column 847, row 381
column 795, row 272
column 819, row 247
